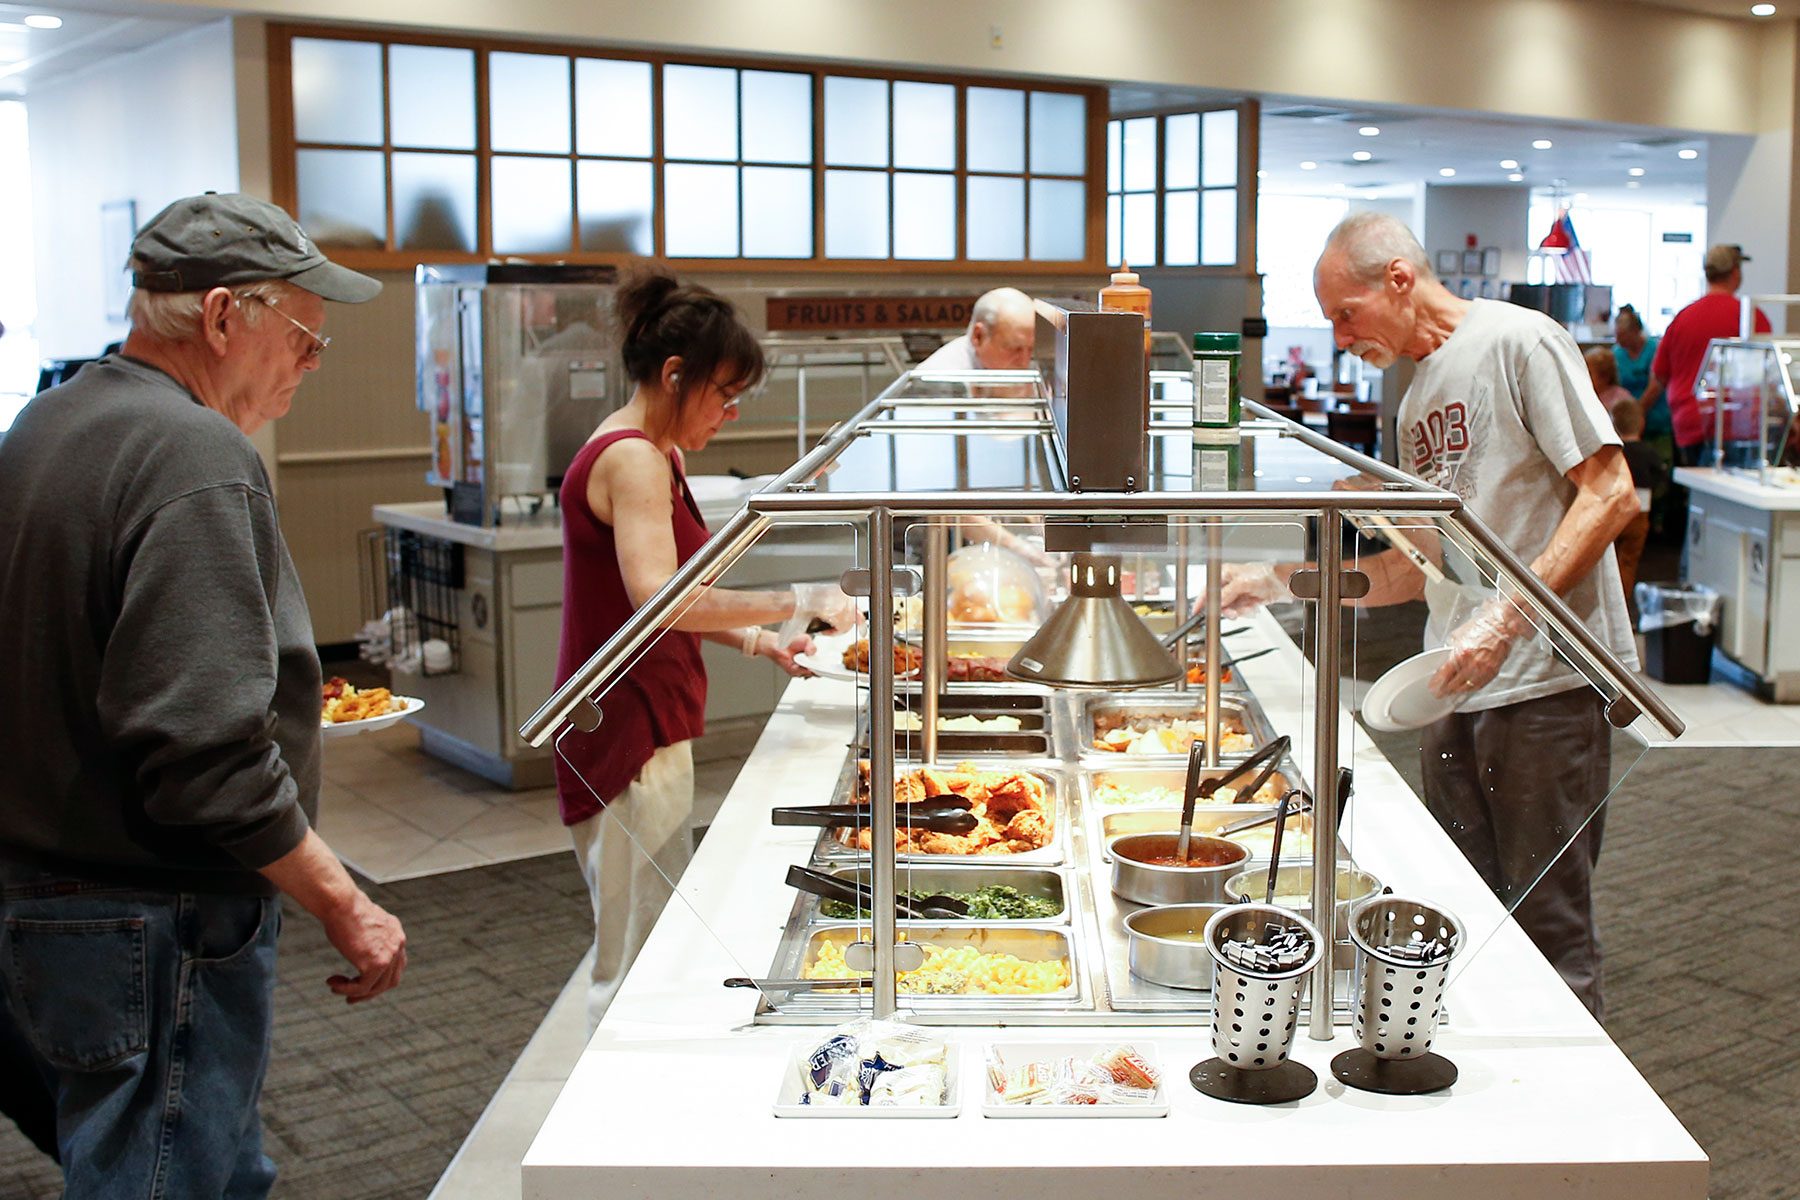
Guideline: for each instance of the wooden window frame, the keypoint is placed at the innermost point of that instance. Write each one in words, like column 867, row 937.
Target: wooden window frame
column 1248, row 144
column 284, row 147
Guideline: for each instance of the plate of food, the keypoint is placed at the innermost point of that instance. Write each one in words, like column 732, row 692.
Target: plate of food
column 846, row 656
column 349, row 709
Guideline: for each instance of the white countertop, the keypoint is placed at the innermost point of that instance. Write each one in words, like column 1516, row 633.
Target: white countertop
column 671, row 1098
column 520, row 532
column 1730, row 485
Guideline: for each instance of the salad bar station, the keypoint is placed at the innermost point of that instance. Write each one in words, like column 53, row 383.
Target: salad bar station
column 1166, row 879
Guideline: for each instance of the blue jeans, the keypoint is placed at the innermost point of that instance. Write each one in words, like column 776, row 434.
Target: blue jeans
column 144, row 1019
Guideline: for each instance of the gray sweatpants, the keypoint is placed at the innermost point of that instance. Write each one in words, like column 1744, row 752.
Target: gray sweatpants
column 1515, row 788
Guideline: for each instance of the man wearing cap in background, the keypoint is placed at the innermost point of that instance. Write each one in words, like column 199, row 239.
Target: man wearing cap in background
column 161, row 723
column 1714, row 315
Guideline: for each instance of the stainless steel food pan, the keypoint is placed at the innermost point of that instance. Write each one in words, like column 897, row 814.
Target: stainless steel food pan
column 1043, row 882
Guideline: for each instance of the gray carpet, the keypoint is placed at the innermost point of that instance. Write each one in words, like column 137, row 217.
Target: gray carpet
column 371, row 1102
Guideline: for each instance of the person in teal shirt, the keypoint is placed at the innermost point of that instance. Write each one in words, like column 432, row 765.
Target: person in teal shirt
column 1634, row 352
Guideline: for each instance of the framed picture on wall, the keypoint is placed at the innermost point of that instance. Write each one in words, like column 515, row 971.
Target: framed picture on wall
column 1466, row 289
column 118, row 222
column 1490, row 261
column 1471, row 262
column 1447, row 263
column 1489, row 290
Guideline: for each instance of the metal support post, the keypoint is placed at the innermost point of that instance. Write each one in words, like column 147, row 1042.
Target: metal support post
column 1181, row 596
column 1215, row 583
column 881, row 755
column 1326, row 629
column 936, row 640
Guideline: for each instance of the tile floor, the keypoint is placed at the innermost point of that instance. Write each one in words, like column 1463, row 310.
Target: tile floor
column 395, row 813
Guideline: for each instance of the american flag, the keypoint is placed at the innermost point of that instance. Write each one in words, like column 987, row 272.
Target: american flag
column 1572, row 264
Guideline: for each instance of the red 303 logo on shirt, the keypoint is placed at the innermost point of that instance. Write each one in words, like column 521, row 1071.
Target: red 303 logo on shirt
column 1438, row 442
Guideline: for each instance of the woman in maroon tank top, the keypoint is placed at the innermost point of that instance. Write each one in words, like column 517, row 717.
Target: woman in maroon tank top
column 626, row 790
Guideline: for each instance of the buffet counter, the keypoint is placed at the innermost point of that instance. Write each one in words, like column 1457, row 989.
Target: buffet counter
column 673, row 1096
column 1743, row 541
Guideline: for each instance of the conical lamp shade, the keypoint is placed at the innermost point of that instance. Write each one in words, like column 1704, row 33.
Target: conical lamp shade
column 1094, row 639
column 1557, row 240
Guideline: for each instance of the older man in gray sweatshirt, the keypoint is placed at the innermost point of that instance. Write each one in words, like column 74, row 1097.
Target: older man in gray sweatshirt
column 160, row 726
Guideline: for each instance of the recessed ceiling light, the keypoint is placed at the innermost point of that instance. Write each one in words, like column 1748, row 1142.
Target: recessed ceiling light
column 1515, row 177
column 1362, row 156
column 1309, row 165
column 1262, row 174
column 1447, row 172
column 1580, row 196
column 43, row 21
column 1509, row 164
column 1370, row 131
column 1762, row 10
column 1632, row 183
column 1634, row 172
column 1542, row 144
column 1690, row 155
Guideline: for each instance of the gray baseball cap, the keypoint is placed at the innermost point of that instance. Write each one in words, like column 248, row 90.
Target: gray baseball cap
column 217, row 240
column 1723, row 259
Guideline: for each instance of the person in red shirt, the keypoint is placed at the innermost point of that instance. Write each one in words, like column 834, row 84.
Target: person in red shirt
column 626, row 789
column 1714, row 315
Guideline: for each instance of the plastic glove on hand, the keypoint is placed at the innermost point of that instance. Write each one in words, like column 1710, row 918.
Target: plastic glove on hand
column 828, row 602
column 1478, row 648
column 1246, row 587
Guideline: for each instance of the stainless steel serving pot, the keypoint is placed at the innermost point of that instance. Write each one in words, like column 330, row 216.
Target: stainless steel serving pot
column 1167, row 944
column 1145, row 883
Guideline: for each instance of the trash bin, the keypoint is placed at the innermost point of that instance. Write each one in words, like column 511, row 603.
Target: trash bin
column 1680, row 623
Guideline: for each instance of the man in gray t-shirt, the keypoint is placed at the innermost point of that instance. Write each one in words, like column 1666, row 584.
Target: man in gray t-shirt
column 1501, row 411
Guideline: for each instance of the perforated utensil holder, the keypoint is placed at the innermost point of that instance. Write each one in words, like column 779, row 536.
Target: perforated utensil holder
column 1399, row 999
column 1254, row 1012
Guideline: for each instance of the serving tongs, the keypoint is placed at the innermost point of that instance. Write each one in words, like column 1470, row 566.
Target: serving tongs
column 948, row 813
column 938, row 907
column 1172, row 639
column 1268, row 758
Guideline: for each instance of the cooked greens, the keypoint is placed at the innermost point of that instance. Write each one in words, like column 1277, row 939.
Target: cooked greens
column 995, row 902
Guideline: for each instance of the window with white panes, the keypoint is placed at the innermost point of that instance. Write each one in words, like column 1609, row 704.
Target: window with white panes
column 1173, row 189
column 468, row 150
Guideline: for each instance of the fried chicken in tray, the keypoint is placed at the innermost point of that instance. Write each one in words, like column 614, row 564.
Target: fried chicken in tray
column 1013, row 807
column 959, row 667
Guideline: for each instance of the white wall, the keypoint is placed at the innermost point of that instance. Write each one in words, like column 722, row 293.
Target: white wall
column 1496, row 216
column 1562, row 59
column 151, row 126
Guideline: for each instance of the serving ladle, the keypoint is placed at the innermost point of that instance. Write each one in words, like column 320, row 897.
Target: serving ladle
column 1269, row 757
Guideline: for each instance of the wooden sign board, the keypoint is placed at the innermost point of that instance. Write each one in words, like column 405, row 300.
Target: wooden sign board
column 833, row 314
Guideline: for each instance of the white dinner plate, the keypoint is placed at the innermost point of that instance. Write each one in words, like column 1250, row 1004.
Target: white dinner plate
column 406, row 706
column 1402, row 697
column 827, row 658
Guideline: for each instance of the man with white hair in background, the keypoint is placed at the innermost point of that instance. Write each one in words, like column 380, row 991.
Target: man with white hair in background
column 161, row 723
column 1002, row 333
column 1502, row 412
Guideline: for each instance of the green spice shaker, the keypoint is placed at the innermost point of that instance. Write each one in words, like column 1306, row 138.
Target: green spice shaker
column 1216, row 359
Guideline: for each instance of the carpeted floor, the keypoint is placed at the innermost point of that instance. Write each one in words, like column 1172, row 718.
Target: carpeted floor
column 371, row 1102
